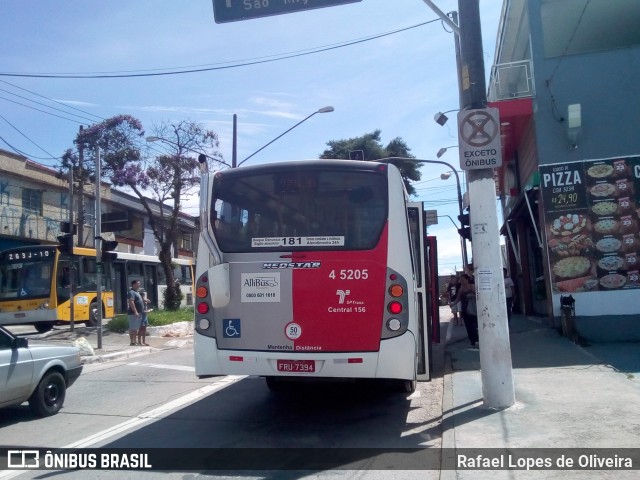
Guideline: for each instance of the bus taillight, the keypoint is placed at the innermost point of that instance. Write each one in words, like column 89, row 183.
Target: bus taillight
column 203, row 308
column 202, row 292
column 396, row 290
column 395, row 308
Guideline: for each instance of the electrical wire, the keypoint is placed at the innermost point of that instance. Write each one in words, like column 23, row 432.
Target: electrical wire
column 17, row 130
column 52, row 100
column 44, row 105
column 39, row 110
column 204, row 68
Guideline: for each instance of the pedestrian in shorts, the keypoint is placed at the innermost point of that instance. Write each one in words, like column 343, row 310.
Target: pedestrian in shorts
column 134, row 310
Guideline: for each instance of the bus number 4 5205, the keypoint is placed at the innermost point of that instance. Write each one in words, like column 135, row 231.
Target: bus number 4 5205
column 350, row 274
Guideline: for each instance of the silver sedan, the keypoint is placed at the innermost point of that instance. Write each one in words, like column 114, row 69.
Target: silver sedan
column 39, row 374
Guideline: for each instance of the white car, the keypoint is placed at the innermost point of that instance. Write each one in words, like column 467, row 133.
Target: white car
column 39, row 374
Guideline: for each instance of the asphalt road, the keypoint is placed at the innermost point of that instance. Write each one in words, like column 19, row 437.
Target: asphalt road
column 155, row 401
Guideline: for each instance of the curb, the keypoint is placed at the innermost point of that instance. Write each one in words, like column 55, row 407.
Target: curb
column 108, row 357
column 448, row 423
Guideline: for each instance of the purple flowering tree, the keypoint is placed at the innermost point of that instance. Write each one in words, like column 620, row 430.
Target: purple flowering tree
column 161, row 182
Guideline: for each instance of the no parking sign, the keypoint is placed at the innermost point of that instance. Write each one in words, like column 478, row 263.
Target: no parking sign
column 479, row 134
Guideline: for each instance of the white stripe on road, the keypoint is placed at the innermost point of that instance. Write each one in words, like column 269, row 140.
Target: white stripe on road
column 143, row 418
column 168, row 367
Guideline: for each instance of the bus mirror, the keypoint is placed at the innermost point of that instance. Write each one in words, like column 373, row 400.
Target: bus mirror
column 219, row 281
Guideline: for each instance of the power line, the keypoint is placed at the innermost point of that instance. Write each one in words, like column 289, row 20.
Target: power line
column 51, row 100
column 234, row 64
column 17, row 130
column 43, row 111
column 45, row 105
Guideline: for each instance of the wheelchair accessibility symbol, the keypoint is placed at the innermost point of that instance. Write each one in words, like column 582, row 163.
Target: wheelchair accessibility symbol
column 231, row 328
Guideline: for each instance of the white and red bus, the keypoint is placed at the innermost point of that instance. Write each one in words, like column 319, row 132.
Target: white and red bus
column 310, row 269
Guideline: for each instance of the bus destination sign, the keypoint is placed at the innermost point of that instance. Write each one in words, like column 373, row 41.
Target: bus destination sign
column 26, row 255
column 235, row 10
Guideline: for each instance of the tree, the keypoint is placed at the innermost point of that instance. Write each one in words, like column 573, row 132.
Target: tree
column 371, row 145
column 168, row 177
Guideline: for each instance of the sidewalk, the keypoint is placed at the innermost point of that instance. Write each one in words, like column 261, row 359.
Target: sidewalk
column 566, row 398
column 116, row 346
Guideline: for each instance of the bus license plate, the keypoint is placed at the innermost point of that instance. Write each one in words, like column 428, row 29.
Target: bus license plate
column 297, row 366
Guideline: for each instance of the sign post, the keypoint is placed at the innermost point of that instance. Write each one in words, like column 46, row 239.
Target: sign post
column 480, row 153
column 479, row 135
column 235, row 10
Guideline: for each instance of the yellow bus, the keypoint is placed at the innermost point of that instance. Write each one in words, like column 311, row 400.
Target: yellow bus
column 34, row 287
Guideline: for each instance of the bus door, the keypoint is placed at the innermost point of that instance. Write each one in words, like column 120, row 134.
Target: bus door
column 432, row 281
column 119, row 282
column 150, row 284
column 417, row 227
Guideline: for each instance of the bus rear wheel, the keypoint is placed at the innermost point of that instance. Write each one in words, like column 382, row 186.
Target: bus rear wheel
column 93, row 315
column 407, row 386
column 43, row 327
column 275, row 384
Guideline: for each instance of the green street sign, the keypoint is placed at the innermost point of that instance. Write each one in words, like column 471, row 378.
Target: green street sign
column 234, row 10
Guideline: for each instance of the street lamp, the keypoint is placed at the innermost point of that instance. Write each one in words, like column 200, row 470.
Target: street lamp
column 463, row 244
column 443, row 150
column 322, row 110
column 153, row 138
column 441, row 118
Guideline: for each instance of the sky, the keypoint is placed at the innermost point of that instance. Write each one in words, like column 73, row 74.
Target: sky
column 395, row 82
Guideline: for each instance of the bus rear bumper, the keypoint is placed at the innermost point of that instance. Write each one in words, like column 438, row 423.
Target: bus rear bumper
column 28, row 317
column 395, row 360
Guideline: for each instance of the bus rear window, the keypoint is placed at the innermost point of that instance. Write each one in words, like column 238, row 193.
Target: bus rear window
column 299, row 209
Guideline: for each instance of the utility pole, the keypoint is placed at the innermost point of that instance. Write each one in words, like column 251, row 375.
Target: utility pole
column 81, row 185
column 72, row 276
column 234, row 151
column 98, row 244
column 493, row 329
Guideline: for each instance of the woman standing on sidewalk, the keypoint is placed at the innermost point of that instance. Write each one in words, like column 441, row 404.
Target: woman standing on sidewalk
column 468, row 310
column 144, row 320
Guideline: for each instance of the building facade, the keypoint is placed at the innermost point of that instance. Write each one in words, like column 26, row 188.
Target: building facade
column 565, row 81
column 35, row 203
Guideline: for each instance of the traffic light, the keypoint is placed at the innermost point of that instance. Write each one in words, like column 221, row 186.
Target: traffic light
column 108, row 255
column 66, row 243
column 465, row 229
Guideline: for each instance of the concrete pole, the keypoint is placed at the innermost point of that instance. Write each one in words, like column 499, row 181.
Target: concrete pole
column 81, row 192
column 72, row 276
column 495, row 350
column 234, row 151
column 98, row 243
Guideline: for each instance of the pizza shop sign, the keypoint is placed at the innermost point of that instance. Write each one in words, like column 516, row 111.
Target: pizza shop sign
column 592, row 224
column 561, row 180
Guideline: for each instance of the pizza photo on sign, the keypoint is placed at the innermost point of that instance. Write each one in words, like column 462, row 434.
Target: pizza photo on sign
column 569, row 224
column 603, row 209
column 613, row 280
column 607, row 226
column 608, row 245
column 571, row 267
column 611, row 263
column 600, row 171
column 603, row 190
column 571, row 246
column 587, row 283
